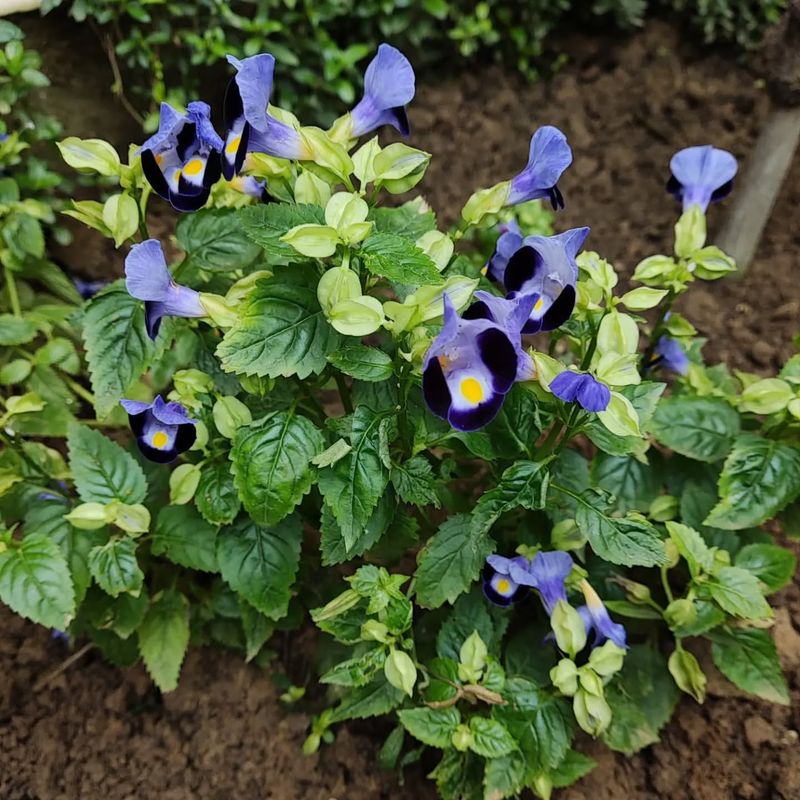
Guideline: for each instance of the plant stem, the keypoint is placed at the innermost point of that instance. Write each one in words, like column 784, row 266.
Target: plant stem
column 81, row 391
column 12, row 292
column 665, row 584
column 344, row 392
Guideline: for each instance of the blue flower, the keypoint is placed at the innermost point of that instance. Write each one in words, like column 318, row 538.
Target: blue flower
column 596, row 618
column 247, row 184
column 701, row 175
column 498, row 585
column 162, row 430
column 181, row 160
column 581, row 388
column 549, row 156
column 509, row 241
column 249, row 126
column 670, row 355
column 87, row 289
column 547, row 573
column 148, row 278
column 543, row 266
column 475, row 360
column 389, row 87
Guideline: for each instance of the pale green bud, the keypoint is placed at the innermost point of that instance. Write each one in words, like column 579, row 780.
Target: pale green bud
column 308, row 188
column 314, row 241
column 337, row 285
column 485, row 201
column 690, row 232
column 656, row 270
column 364, row 161
column 462, row 738
column 607, row 659
column 192, row 381
column 680, row 613
column 673, row 555
column 399, row 168
column 183, row 482
column 620, row 417
column 218, row 311
column 90, row 155
column 766, row 396
column 201, row 436
column 564, row 676
column 375, row 631
column 568, row 628
column 566, row 535
column 618, row 334
column 688, row 675
column 599, row 271
column 635, row 592
column 543, row 785
column 229, row 414
column 339, row 605
column 722, row 558
column 472, row 658
column 121, row 217
column 345, row 208
column 131, row 518
column 592, row 712
column 643, row 298
column 710, row 263
column 618, row 370
column 678, row 326
column 357, row 317
column 89, row 516
column 400, row 671
column 326, row 153
column 590, row 681
column 438, row 246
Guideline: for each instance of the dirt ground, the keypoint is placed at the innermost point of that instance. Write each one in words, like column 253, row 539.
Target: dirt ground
column 626, row 104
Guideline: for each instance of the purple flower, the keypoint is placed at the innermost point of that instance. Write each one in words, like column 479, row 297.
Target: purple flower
column 508, row 243
column 581, row 388
column 60, row 636
column 389, row 87
column 475, row 360
column 87, row 289
column 162, row 430
column 148, row 278
column 544, row 266
column 670, row 355
column 250, row 128
column 181, row 160
column 549, row 156
column 247, row 184
column 498, row 585
column 547, row 573
column 596, row 618
column 701, row 175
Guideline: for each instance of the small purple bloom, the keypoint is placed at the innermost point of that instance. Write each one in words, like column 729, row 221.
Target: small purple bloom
column 596, row 618
column 148, row 278
column 162, row 430
column 543, row 266
column 498, row 585
column 547, row 573
column 507, row 244
column 701, row 175
column 60, row 636
column 247, row 184
column 181, row 160
column 474, row 361
column 549, row 156
column 88, row 289
column 670, row 355
column 389, row 86
column 581, row 388
column 250, row 128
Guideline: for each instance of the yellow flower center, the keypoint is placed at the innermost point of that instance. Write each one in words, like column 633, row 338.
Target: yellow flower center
column 472, row 390
column 193, row 167
column 503, row 586
column 160, row 439
column 233, row 145
column 539, row 304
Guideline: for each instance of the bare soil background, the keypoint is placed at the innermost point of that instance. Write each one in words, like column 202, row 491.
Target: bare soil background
column 626, row 104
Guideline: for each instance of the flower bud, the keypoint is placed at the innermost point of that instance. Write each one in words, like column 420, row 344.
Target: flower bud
column 680, row 613
column 218, row 310
column 673, row 556
column 592, row 712
column 688, row 675
column 485, row 201
column 635, row 592
column 569, row 629
column 183, row 481
column 89, row 516
column 131, row 518
column 229, row 414
column 375, row 631
column 590, row 681
column 607, row 659
column 472, row 658
column 564, row 676
column 462, row 738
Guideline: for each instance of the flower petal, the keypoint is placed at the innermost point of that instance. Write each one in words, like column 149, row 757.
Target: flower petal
column 146, row 274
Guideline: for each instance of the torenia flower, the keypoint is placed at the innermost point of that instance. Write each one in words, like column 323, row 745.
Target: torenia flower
column 88, row 289
column 181, row 160
column 473, row 363
column 670, row 355
column 389, row 86
column 547, row 573
column 545, row 266
column 247, row 184
column 498, row 585
column 249, row 126
column 701, row 175
column 581, row 388
column 508, row 243
column 148, row 278
column 596, row 618
column 549, row 156
column 162, row 430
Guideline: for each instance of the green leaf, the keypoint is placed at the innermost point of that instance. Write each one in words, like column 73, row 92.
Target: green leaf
column 642, row 697
column 738, row 592
column 216, row 498
column 115, row 568
column 332, row 541
column 432, row 726
column 260, row 563
column 406, row 220
column 272, row 464
column 363, row 363
column 214, row 240
column 574, row 767
column 16, row 330
column 164, row 638
column 257, row 630
column 35, row 582
column 760, row 477
column 692, row 547
column 414, row 482
column 635, row 485
column 265, row 225
column 504, row 777
column 450, row 561
column 749, row 659
column 702, row 428
column 353, row 486
column 356, row 671
column 394, row 257
column 281, row 330
column 102, row 470
column 185, row 538
column 118, row 349
column 522, row 485
column 774, row 566
column 629, row 541
column 373, row 700
column 490, row 738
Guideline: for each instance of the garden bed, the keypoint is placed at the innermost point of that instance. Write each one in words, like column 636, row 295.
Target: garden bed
column 97, row 732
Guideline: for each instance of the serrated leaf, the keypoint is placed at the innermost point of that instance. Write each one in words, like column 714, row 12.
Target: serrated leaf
column 272, row 464
column 280, row 330
column 432, row 726
column 214, row 240
column 394, row 257
column 363, row 363
column 257, row 630
column 523, row 485
column 356, row 671
column 760, row 478
column 774, row 566
column 405, row 220
column 702, row 428
column 260, row 563
column 16, row 330
column 414, row 482
column 332, row 541
column 450, row 561
column 115, row 568
column 737, row 591
column 185, row 538
column 692, row 547
column 102, row 470
column 216, row 497
column 265, row 225
column 490, row 738
column 118, row 349
column 635, row 485
column 35, row 582
column 164, row 638
column 373, row 700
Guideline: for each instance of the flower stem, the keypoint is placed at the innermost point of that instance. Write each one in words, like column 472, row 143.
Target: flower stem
column 79, row 390
column 665, row 584
column 344, row 392
column 12, row 292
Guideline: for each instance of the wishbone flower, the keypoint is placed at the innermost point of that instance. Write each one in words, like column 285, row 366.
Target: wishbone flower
column 701, row 175
column 163, row 430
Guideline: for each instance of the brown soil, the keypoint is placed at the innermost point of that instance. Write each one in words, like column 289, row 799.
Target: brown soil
column 99, row 733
